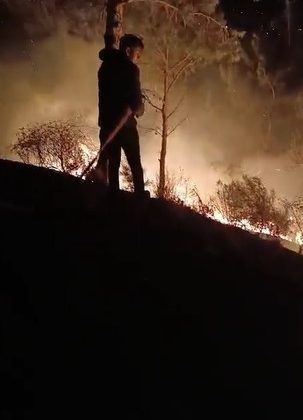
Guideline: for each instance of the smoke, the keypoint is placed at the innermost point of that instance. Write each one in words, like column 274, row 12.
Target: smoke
column 57, row 81
column 48, row 70
column 48, row 63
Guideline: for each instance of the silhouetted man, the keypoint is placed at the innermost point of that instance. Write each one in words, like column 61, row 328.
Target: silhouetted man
column 120, row 102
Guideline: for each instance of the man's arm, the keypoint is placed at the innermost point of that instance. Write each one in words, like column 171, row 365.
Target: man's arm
column 136, row 103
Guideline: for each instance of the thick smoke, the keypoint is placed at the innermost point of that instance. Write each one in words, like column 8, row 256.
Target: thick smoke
column 48, row 63
column 57, row 81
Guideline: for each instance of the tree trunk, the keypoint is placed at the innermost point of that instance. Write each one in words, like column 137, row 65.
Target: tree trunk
column 162, row 180
column 162, row 160
column 114, row 19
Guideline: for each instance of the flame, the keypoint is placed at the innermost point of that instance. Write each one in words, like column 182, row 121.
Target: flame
column 297, row 238
column 244, row 224
column 182, row 191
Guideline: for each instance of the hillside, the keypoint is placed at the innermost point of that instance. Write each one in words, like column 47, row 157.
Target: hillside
column 112, row 307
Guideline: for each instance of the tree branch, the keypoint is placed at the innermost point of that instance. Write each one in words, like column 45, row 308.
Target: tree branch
column 149, row 101
column 152, row 93
column 156, row 130
column 175, row 9
column 211, row 19
column 176, row 107
column 181, row 61
column 153, row 105
column 161, row 54
column 179, row 73
column 176, row 126
column 164, row 3
column 161, row 2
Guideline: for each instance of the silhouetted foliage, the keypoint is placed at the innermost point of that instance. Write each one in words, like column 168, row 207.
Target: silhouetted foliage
column 60, row 145
column 127, row 178
column 295, row 209
column 200, row 206
column 247, row 200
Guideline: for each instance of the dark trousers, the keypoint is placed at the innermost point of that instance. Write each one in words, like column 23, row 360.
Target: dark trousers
column 109, row 160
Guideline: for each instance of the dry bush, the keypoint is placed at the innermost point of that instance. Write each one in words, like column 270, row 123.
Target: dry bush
column 59, row 145
column 295, row 209
column 200, row 206
column 176, row 189
column 247, row 200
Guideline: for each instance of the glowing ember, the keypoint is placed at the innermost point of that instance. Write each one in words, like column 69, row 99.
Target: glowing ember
column 245, row 225
column 299, row 238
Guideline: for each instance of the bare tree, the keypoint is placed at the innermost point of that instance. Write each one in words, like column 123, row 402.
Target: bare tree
column 162, row 104
column 59, row 145
column 179, row 38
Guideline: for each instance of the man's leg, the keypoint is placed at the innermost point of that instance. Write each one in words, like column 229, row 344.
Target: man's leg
column 131, row 147
column 114, row 159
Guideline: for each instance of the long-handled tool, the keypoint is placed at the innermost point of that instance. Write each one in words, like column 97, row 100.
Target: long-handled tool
column 109, row 140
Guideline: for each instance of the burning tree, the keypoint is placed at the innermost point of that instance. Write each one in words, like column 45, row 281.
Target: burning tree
column 59, row 145
column 171, row 73
column 247, row 203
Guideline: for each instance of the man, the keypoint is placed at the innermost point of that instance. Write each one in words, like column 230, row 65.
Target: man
column 120, row 102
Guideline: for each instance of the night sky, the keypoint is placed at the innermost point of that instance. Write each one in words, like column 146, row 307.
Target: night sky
column 268, row 18
column 252, row 15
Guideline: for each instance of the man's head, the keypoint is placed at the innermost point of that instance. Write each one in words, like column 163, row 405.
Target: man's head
column 132, row 46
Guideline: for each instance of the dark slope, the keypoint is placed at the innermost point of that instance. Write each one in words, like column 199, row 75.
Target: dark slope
column 113, row 307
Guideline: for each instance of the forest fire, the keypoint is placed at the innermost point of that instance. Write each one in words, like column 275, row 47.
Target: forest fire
column 151, row 196
column 210, row 107
column 282, row 223
column 245, row 225
column 295, row 237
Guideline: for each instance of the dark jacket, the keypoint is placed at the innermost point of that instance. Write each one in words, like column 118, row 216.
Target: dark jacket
column 119, row 88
